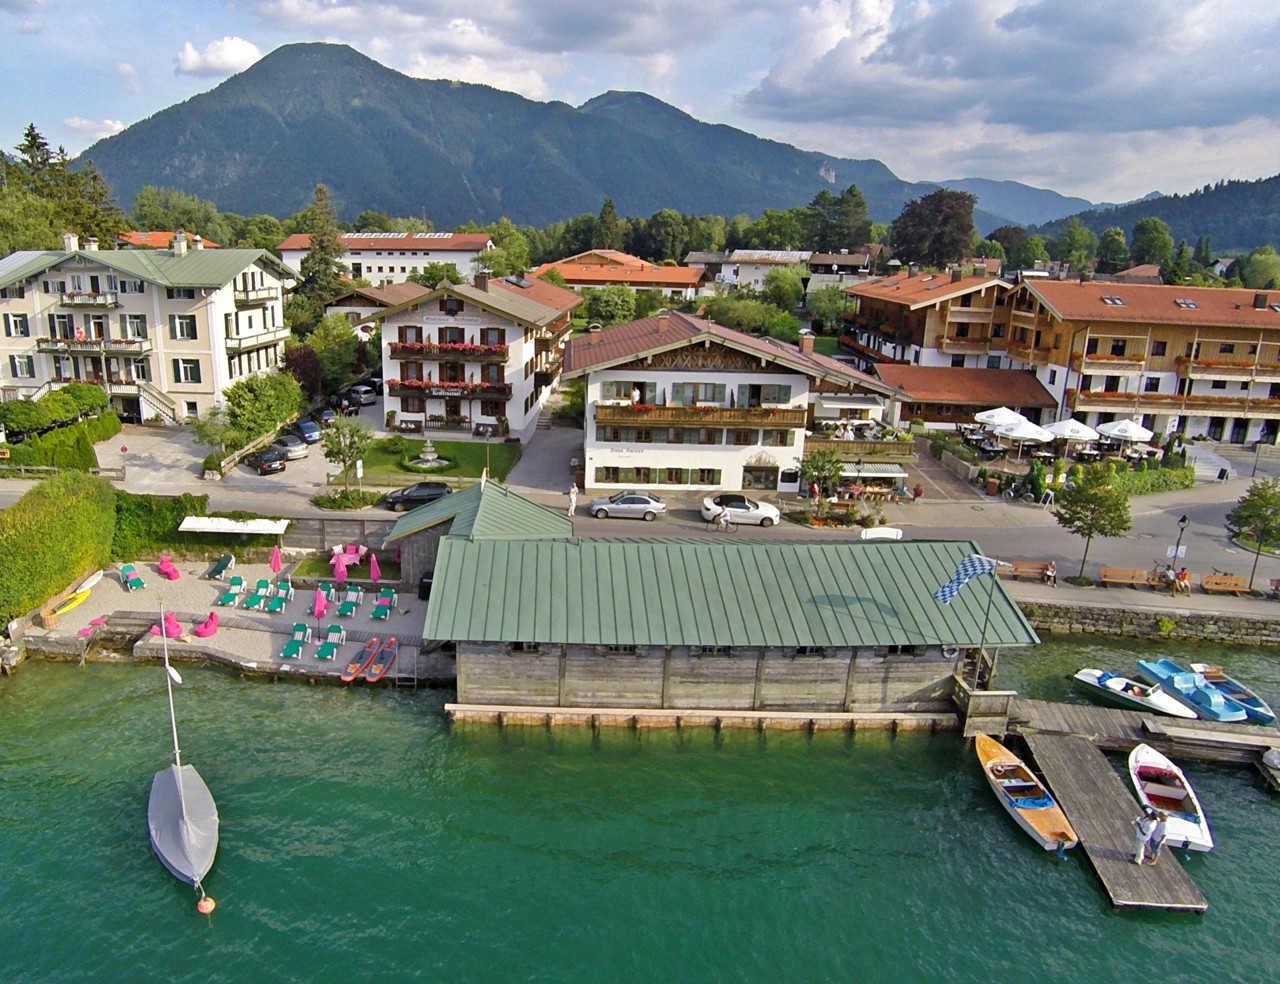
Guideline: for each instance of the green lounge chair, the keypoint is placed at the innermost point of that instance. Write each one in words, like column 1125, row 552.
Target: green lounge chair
column 327, row 591
column 381, row 612
column 327, row 650
column 301, row 632
column 276, row 604
column 389, row 594
column 284, row 590
column 254, row 601
column 292, row 649
column 229, row 599
column 263, row 587
column 335, row 634
column 236, row 584
column 129, row 577
column 346, row 609
column 355, row 594
column 220, row 567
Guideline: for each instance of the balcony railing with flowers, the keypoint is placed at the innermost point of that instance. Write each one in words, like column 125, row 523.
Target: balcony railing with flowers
column 448, row 351
column 1228, row 369
column 629, row 413
column 90, row 298
column 1105, row 364
column 428, row 387
column 963, row 344
column 1214, row 406
column 93, row 345
column 1026, row 352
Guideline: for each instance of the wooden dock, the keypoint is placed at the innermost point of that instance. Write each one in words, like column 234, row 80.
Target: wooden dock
column 1101, row 808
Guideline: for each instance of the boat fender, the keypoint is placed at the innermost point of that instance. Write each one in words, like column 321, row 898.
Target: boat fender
column 206, row 905
column 998, row 769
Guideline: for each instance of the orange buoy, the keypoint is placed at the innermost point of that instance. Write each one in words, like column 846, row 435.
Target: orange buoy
column 206, row 905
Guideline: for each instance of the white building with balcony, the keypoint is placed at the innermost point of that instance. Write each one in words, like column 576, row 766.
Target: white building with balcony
column 390, row 257
column 164, row 332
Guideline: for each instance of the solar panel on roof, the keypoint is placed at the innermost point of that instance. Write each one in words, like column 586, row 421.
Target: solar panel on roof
column 517, row 281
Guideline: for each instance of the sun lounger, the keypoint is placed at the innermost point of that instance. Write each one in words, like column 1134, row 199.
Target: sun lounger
column 301, row 632
column 129, row 578
column 284, row 590
column 292, row 649
column 327, row 590
column 220, row 567
column 346, row 609
column 254, row 601
column 335, row 633
column 236, row 584
column 263, row 587
column 389, row 595
column 381, row 611
column 228, row 599
column 327, row 650
column 355, row 594
column 276, row 604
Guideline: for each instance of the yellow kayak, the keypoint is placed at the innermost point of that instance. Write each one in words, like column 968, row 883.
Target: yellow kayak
column 1024, row 796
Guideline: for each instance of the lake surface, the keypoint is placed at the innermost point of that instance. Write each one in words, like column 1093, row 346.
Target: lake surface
column 365, row 839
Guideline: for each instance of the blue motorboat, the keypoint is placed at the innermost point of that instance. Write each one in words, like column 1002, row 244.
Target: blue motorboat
column 1259, row 710
column 1192, row 689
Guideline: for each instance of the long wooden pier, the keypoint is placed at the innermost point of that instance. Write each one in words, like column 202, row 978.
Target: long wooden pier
column 1067, row 743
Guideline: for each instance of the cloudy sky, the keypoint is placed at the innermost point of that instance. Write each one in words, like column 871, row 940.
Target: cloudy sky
column 1106, row 100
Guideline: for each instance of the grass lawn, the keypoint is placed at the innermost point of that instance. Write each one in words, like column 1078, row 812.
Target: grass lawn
column 826, row 344
column 467, row 459
column 320, row 568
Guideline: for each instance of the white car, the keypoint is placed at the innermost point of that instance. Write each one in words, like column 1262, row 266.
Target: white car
column 291, row 446
column 741, row 509
column 364, row 395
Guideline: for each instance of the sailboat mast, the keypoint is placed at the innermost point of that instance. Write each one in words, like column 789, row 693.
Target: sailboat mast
column 168, row 686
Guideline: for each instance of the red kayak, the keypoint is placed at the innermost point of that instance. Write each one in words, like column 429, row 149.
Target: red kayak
column 378, row 668
column 360, row 663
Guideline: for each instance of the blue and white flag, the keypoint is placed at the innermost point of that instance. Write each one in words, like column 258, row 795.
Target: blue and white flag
column 975, row 565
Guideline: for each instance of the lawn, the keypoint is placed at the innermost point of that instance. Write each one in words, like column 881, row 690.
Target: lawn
column 826, row 344
column 467, row 459
column 320, row 569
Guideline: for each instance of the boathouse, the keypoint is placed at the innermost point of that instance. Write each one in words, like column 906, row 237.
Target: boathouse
column 545, row 620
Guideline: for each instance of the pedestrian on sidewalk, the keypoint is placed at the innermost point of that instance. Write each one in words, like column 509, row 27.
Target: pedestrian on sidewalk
column 1144, row 826
column 573, row 498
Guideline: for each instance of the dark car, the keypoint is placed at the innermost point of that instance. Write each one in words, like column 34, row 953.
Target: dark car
column 374, row 382
column 417, row 495
column 266, row 462
column 345, row 404
column 325, row 416
column 308, row 430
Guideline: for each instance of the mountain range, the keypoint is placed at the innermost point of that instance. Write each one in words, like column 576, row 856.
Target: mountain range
column 457, row 152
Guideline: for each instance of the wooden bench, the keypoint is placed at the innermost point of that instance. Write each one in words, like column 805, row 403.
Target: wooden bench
column 1124, row 575
column 1023, row 568
column 1223, row 582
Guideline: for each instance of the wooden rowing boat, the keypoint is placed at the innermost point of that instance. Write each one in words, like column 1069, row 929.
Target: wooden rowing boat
column 1162, row 786
column 1024, row 797
column 378, row 668
column 1259, row 710
column 360, row 662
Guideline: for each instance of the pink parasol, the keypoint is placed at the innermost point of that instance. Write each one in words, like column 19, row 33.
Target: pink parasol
column 340, row 568
column 275, row 564
column 319, row 606
column 374, row 573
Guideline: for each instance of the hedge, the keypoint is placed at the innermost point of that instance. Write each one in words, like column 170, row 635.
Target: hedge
column 67, row 447
column 1154, row 480
column 55, row 534
column 147, row 526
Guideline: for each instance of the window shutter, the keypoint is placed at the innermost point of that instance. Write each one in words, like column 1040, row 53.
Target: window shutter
column 7, row 330
column 53, row 326
column 177, row 370
column 784, row 394
column 744, row 395
column 31, row 366
column 13, row 366
column 173, row 326
column 195, row 372
column 124, row 324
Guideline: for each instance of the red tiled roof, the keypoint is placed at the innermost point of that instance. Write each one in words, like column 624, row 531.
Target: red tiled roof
column 610, row 266
column 1074, row 300
column 470, row 242
column 968, row 387
column 921, row 290
column 155, row 240
column 541, row 292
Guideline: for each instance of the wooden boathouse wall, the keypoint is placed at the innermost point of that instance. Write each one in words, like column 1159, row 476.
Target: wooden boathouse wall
column 674, row 678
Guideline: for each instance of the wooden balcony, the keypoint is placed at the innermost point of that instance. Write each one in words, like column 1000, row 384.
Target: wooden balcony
column 90, row 299
column 1026, row 352
column 700, row 416
column 257, row 339
column 428, row 388
column 954, row 345
column 1263, row 372
column 256, row 296
column 93, row 346
column 447, row 352
column 867, row 450
column 1111, row 401
column 1109, row 365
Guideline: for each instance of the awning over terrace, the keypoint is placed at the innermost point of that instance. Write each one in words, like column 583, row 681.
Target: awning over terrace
column 219, row 524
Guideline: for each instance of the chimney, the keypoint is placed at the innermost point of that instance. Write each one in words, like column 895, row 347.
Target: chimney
column 482, row 281
column 179, row 243
column 912, row 270
column 91, row 244
column 1260, row 301
column 957, row 275
column 662, row 321
column 70, row 242
column 197, row 242
column 806, row 344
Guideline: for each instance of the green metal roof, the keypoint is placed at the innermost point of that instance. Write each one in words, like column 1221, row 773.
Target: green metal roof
column 485, row 510
column 713, row 593
column 24, row 264
column 197, row 268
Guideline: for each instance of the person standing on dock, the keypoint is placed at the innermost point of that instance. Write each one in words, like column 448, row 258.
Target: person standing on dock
column 1144, row 826
column 1158, row 835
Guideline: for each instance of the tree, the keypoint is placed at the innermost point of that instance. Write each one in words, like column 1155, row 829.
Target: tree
column 88, row 397
column 321, row 268
column 990, row 249
column 256, row 232
column 853, row 224
column 608, row 231
column 935, row 230
column 820, row 221
column 1261, row 269
column 1151, row 242
column 334, row 343
column 610, row 305
column 783, row 286
column 23, row 416
column 215, row 430
column 776, row 230
column 826, row 306
column 1010, row 237
column 1077, row 245
column 1027, row 253
column 553, row 276
column 27, row 221
column 1178, row 270
column 1257, row 516
column 1093, row 506
column 301, row 362
column 823, row 467
column 1113, row 251
column 344, row 442
column 433, row 273
column 258, row 404
column 156, row 209
column 1203, row 255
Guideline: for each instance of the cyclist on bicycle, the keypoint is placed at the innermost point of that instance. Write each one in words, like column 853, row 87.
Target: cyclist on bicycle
column 722, row 518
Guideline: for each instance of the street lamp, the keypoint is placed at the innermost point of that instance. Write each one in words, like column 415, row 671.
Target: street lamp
column 1183, row 523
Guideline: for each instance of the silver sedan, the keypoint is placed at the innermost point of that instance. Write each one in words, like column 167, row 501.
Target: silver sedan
column 628, row 505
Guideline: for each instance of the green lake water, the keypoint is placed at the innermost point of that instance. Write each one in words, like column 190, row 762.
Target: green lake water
column 365, row 839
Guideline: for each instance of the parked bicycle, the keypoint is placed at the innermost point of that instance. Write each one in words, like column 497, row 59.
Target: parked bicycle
column 1019, row 492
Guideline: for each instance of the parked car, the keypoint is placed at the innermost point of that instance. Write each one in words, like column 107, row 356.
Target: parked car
column 266, row 462
column 306, row 429
column 417, row 495
column 629, row 505
column 375, row 382
column 345, row 404
column 325, row 416
column 364, row 395
column 291, row 446
column 741, row 509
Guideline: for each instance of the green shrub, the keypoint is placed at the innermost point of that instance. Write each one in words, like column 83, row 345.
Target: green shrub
column 58, row 532
column 148, row 524
column 346, row 499
column 1030, row 610
column 213, row 461
column 1155, row 480
column 396, row 444
column 1165, row 624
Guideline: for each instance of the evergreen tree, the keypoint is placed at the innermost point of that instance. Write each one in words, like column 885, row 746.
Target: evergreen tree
column 853, row 223
column 820, row 222
column 608, row 231
column 1178, row 269
column 321, row 267
column 1203, row 255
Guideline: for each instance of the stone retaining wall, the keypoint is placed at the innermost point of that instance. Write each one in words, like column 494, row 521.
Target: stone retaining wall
column 1146, row 623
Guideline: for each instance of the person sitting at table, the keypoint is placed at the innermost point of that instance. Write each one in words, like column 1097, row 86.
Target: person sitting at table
column 841, row 433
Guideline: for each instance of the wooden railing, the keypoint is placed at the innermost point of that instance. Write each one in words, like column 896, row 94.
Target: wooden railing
column 632, row 413
column 1227, row 369
column 447, row 352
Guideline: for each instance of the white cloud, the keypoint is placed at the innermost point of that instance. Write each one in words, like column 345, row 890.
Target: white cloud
column 219, row 58
column 128, row 76
column 95, row 129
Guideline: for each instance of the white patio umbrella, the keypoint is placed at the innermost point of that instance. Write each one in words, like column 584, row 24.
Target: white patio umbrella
column 1125, row 430
column 1024, row 432
column 999, row 417
column 1072, row 430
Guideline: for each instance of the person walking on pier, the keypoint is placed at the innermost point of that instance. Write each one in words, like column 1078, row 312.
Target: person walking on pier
column 1144, row 827
column 1158, row 835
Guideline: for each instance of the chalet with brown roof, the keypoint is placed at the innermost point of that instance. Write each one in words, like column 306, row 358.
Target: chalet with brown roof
column 940, row 395
column 609, row 267
column 676, row 402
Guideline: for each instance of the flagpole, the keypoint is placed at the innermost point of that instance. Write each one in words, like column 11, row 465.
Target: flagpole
column 982, row 639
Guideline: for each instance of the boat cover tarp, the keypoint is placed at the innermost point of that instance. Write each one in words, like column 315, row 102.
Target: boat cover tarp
column 184, row 844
